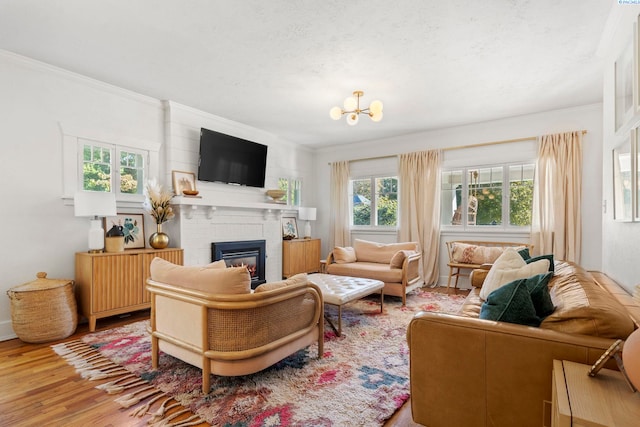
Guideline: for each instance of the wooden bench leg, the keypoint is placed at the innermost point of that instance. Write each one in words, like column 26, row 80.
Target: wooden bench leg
column 450, row 275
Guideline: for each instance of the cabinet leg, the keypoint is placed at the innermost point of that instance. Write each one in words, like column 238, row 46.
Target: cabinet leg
column 92, row 323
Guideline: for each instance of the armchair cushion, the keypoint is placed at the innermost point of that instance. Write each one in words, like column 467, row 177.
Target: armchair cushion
column 344, row 255
column 215, row 280
column 297, row 279
column 509, row 267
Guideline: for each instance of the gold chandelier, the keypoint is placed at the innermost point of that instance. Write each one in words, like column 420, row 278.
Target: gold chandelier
column 352, row 109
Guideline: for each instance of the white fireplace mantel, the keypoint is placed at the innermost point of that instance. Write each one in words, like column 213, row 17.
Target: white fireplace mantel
column 191, row 204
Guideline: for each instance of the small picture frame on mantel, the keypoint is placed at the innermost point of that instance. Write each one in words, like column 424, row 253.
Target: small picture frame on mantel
column 184, row 183
column 289, row 228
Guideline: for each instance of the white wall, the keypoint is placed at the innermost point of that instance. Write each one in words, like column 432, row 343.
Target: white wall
column 588, row 117
column 40, row 106
column 620, row 239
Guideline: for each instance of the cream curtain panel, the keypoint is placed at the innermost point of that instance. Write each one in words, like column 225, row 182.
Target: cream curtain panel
column 420, row 207
column 556, row 222
column 339, row 218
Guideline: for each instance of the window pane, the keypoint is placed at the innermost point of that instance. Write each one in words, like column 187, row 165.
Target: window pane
column 283, row 184
column 520, row 194
column 131, row 173
column 451, row 193
column 485, row 196
column 387, row 200
column 96, row 169
column 361, row 201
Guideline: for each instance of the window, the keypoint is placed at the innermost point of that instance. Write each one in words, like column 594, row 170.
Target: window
column 293, row 187
column 500, row 195
column 106, row 167
column 374, row 201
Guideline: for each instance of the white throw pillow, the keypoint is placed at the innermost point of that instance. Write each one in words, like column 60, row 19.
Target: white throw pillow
column 508, row 267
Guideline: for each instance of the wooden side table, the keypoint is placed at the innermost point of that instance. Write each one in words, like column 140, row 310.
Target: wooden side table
column 579, row 400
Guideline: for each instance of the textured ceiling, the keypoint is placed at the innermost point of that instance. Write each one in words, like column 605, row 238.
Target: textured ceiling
column 281, row 65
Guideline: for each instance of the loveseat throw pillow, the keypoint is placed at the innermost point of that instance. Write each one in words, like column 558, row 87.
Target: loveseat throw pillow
column 398, row 259
column 509, row 267
column 344, row 255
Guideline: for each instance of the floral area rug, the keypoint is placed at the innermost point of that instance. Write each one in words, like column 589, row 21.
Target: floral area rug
column 361, row 380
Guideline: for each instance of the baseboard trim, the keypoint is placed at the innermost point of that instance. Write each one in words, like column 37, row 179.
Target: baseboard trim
column 6, row 331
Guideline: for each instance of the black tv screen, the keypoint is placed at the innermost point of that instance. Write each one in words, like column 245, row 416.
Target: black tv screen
column 225, row 158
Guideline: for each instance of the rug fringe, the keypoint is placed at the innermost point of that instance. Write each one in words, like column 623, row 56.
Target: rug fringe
column 93, row 366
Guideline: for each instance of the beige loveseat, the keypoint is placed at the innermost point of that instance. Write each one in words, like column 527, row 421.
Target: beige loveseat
column 209, row 317
column 465, row 371
column 395, row 264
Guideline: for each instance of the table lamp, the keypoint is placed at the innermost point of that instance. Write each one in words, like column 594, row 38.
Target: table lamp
column 95, row 204
column 307, row 214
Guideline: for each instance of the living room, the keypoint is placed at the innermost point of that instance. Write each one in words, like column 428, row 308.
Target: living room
column 48, row 109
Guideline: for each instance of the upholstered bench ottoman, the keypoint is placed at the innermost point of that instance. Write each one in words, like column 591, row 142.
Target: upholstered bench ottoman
column 340, row 290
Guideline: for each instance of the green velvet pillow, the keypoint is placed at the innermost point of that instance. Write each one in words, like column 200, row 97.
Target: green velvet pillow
column 524, row 253
column 511, row 303
column 538, row 289
column 538, row 258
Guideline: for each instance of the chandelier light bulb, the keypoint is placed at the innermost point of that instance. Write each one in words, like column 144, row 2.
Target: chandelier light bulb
column 376, row 117
column 352, row 119
column 335, row 113
column 375, row 107
column 350, row 104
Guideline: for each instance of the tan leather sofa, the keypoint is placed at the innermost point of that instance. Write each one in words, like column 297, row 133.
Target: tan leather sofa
column 395, row 264
column 210, row 318
column 465, row 371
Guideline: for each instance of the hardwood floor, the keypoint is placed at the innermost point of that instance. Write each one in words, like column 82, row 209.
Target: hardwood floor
column 39, row 388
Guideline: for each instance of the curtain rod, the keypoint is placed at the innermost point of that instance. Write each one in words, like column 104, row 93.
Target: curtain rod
column 458, row 147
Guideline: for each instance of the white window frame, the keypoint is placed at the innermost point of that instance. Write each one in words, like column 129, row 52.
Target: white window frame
column 374, row 209
column 115, row 151
column 506, row 189
column 290, row 180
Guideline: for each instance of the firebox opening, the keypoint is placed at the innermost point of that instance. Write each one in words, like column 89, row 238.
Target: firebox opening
column 250, row 254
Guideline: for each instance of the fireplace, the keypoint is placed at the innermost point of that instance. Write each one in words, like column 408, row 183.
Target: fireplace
column 249, row 253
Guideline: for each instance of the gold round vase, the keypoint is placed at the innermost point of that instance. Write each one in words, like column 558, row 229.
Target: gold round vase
column 159, row 240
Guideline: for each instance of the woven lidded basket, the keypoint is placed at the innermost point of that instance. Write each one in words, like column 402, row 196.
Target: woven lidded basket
column 43, row 310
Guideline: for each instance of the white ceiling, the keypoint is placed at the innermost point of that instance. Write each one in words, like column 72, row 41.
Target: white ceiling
column 280, row 65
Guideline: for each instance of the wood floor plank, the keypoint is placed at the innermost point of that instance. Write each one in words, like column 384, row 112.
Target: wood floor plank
column 39, row 388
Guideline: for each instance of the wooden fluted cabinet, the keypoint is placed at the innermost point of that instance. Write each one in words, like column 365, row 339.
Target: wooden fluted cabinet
column 114, row 283
column 300, row 256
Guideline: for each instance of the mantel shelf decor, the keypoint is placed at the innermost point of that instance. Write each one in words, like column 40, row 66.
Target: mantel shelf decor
column 157, row 203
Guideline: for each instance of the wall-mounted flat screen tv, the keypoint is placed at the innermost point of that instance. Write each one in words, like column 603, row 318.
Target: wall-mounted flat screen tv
column 231, row 160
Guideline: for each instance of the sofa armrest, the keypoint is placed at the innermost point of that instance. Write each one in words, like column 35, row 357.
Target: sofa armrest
column 477, row 276
column 473, row 372
column 411, row 268
column 329, row 259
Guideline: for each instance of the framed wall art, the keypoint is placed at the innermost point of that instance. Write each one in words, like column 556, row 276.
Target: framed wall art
column 184, row 183
column 132, row 227
column 289, row 228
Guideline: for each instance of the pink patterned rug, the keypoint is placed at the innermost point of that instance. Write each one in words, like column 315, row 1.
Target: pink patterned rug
column 361, row 380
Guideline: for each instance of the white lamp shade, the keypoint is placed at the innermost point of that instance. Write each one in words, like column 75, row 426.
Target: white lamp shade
column 335, row 113
column 94, row 203
column 307, row 214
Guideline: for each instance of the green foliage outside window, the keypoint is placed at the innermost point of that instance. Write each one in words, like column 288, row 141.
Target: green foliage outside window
column 385, row 197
